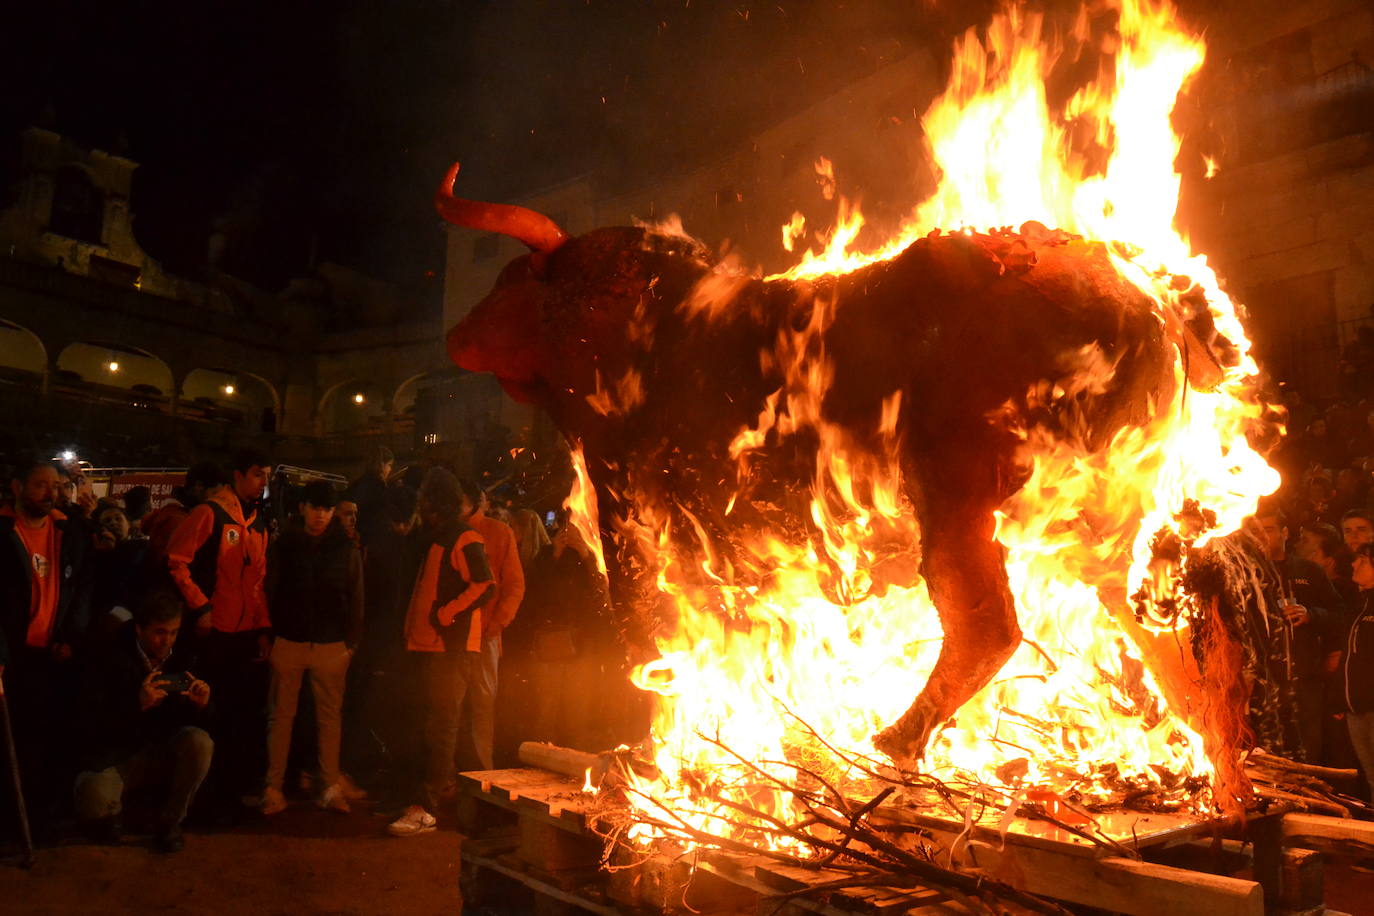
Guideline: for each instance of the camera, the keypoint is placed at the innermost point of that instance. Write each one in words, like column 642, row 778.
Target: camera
column 174, row 682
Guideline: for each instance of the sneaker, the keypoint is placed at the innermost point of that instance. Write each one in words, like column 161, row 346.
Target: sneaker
column 273, row 802
column 351, row 790
column 334, row 799
column 416, row 820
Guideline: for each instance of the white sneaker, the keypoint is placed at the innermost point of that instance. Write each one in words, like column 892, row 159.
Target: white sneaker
column 273, row 802
column 333, row 799
column 416, row 820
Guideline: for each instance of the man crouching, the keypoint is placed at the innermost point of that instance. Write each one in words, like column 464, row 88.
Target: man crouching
column 142, row 716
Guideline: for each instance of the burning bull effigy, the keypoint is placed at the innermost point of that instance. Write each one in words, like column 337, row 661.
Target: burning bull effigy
column 953, row 507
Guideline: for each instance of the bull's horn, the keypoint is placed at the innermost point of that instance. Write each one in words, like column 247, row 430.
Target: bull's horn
column 534, row 229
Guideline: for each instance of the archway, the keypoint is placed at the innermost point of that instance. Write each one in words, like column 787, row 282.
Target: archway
column 352, row 406
column 227, row 394
column 22, row 354
column 114, row 370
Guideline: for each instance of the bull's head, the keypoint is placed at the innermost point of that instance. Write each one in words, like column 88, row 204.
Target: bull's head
column 561, row 312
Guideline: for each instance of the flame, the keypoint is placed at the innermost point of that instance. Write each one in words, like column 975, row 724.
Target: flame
column 581, row 507
column 819, row 657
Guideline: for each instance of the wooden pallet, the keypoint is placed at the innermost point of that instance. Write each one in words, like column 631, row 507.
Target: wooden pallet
column 553, row 854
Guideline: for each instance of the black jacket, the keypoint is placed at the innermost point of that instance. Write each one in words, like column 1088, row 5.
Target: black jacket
column 1307, row 645
column 315, row 587
column 1357, row 662
column 16, row 586
column 111, row 727
column 369, row 492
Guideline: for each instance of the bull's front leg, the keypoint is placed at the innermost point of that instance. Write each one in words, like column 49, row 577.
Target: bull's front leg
column 965, row 570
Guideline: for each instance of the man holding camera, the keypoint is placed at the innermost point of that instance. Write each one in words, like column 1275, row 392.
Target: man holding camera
column 141, row 725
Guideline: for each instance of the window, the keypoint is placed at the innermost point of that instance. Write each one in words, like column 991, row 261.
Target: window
column 78, row 208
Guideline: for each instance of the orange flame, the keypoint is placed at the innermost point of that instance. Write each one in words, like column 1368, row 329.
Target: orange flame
column 1092, row 690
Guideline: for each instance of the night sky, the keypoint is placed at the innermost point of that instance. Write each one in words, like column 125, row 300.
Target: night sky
column 328, row 124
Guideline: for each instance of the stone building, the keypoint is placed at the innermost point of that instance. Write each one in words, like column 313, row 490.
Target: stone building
column 104, row 351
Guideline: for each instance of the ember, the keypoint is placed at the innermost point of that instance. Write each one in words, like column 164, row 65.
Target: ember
column 977, row 462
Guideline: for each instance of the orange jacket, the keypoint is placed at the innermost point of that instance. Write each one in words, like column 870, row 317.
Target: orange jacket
column 503, row 554
column 452, row 585
column 160, row 525
column 229, row 572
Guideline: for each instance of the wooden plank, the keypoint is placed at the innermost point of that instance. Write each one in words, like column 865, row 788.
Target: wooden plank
column 1299, row 829
column 1303, row 880
column 1133, row 829
column 534, row 793
column 551, row 849
column 884, row 900
column 782, row 877
column 881, row 900
column 766, row 892
column 1119, row 884
column 538, row 886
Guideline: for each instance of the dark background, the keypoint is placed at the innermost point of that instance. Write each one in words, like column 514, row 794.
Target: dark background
column 320, row 129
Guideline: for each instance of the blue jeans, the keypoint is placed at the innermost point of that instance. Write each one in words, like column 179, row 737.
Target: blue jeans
column 453, row 678
column 1361, row 725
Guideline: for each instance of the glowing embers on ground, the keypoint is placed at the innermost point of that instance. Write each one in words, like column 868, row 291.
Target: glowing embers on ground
column 784, row 681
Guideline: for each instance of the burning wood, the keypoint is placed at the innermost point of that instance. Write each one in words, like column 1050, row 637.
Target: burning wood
column 974, row 463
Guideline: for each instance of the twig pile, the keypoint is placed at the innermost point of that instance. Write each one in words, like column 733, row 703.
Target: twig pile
column 875, row 847
column 1303, row 785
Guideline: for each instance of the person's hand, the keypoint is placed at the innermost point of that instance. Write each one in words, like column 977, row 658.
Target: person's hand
column 198, row 692
column 85, row 495
column 203, row 623
column 150, row 694
column 1296, row 614
column 61, row 652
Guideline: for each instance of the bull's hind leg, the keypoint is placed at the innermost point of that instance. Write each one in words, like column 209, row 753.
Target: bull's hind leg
column 965, row 570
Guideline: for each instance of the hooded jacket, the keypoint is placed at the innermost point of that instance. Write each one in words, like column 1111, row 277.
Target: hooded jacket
column 73, row 610
column 218, row 555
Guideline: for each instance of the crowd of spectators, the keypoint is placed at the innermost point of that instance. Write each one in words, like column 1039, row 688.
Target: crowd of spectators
column 154, row 660
column 1318, row 531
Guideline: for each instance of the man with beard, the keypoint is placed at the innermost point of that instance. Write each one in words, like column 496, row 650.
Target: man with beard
column 45, row 593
